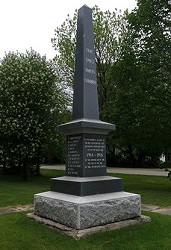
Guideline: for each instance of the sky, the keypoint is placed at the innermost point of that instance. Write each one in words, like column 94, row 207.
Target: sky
column 26, row 24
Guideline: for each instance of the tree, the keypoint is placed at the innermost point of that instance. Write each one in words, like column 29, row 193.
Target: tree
column 32, row 104
column 108, row 29
column 141, row 100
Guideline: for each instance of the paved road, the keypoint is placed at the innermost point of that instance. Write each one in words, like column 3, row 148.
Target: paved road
column 141, row 171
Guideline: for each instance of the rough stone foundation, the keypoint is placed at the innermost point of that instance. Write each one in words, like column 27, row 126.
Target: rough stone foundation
column 88, row 211
column 77, row 234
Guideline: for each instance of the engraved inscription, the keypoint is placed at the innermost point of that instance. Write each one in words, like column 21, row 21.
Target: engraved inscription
column 86, row 155
column 94, row 153
column 73, row 163
column 90, row 71
column 89, row 60
column 89, row 81
column 90, row 67
column 89, row 50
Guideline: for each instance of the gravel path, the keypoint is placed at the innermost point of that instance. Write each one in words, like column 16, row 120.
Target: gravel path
column 13, row 209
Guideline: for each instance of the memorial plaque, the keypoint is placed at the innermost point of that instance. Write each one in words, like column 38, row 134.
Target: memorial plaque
column 74, row 155
column 86, row 155
column 95, row 155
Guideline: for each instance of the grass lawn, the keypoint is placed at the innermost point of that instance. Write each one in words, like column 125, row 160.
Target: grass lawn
column 17, row 232
column 13, row 191
column 154, row 190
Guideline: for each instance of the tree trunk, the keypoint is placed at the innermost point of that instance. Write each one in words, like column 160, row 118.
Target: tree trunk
column 132, row 158
column 25, row 170
column 141, row 158
column 38, row 163
column 4, row 163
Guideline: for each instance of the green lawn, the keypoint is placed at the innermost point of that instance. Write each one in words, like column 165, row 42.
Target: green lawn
column 17, row 232
column 13, row 191
column 153, row 189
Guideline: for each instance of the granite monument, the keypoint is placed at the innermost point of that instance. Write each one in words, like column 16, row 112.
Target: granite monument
column 86, row 197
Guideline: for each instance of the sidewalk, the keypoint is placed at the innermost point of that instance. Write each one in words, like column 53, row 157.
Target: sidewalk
column 140, row 171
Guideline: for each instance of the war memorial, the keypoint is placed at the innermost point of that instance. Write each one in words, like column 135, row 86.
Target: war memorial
column 86, row 197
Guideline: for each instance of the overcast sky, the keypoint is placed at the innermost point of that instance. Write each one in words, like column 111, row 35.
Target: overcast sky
column 31, row 23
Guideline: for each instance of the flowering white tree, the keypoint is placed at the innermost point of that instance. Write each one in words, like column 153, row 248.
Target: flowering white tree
column 32, row 104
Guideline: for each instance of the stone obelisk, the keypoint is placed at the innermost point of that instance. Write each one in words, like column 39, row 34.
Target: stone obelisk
column 86, row 197
column 85, row 133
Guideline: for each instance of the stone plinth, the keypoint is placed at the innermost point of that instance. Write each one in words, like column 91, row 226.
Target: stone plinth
column 86, row 147
column 88, row 211
column 83, row 186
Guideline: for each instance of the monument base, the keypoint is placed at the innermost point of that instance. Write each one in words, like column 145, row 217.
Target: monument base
column 77, row 233
column 86, row 186
column 88, row 211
